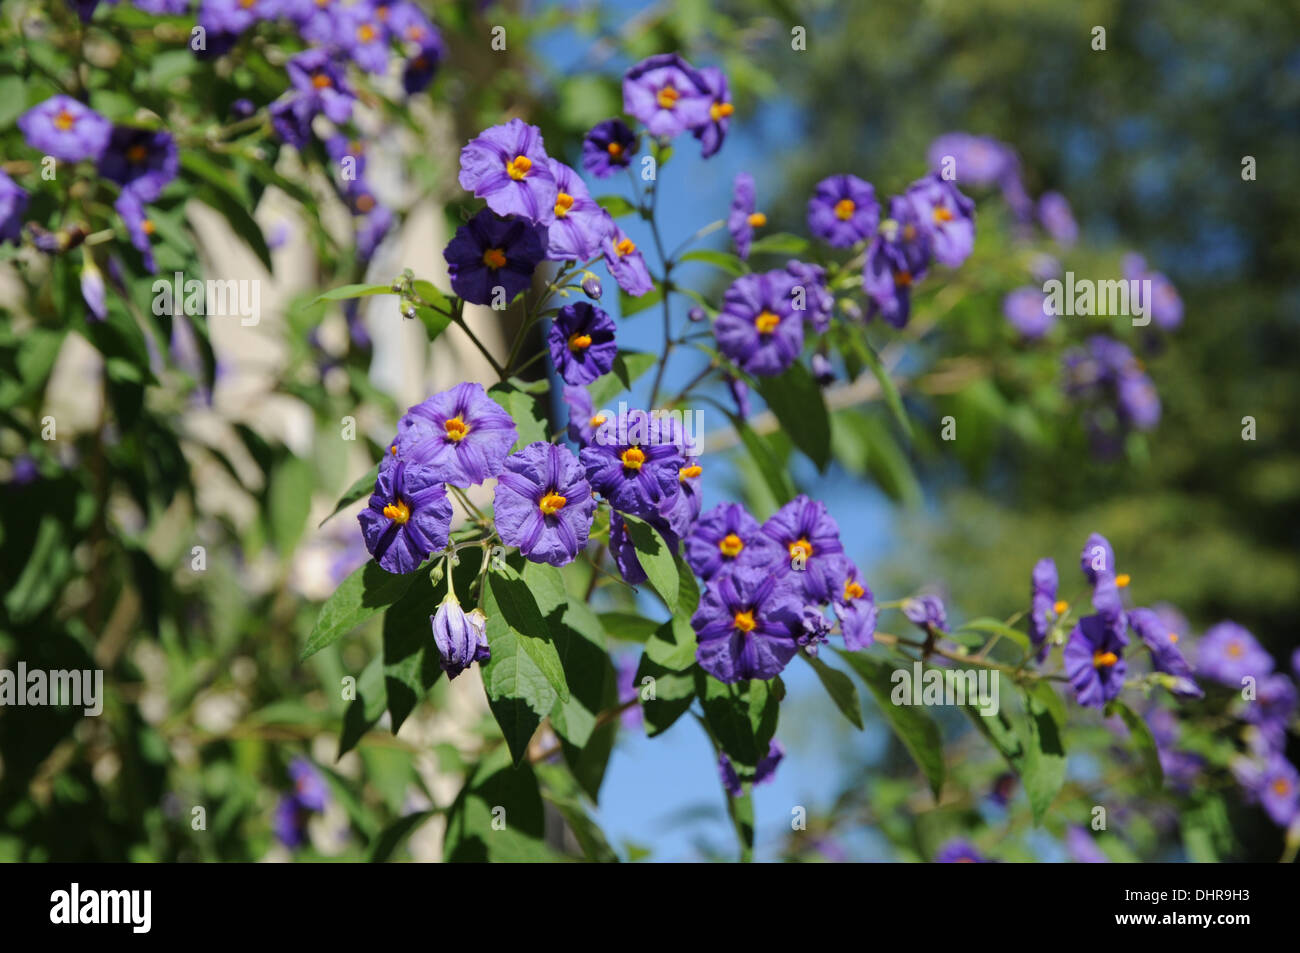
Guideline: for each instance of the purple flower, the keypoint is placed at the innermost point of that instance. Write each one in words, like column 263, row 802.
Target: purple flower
column 726, row 538
column 408, row 516
column 321, row 84
column 291, row 120
column 810, row 291
column 163, row 7
column 488, row 252
column 823, row 371
column 1043, row 609
column 289, row 822
column 66, row 129
column 626, row 263
column 926, row 612
column 583, row 420
column 1137, row 401
column 667, row 95
column 739, row 391
column 1227, row 653
column 13, row 203
column 1057, row 219
column 814, row 629
column 855, row 607
column 140, row 160
column 92, row 290
column 309, row 787
column 897, row 258
column 623, row 550
column 1166, row 305
column 582, row 342
column 843, row 211
column 758, row 327
column 507, row 165
column 1094, row 662
column 1108, row 602
column 638, row 475
column 608, row 147
column 1275, row 785
column 461, row 638
column 1272, row 708
column 543, row 504
column 580, row 225
column 25, row 470
column 1097, row 559
column 224, row 20
column 1163, row 644
column 461, row 433
column 714, row 131
column 977, row 160
column 1083, row 849
column 946, row 216
column 810, row 550
column 767, row 765
column 959, row 852
column 1026, row 310
column 138, row 227
column 360, row 31
column 743, row 219
column 746, row 626
column 730, row 779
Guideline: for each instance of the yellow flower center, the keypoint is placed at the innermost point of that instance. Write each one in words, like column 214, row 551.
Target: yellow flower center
column 757, row 219
column 731, row 545
column 744, row 621
column 632, row 458
column 909, row 232
column 598, row 420
column 689, row 473
column 800, row 548
column 941, row 215
column 625, row 247
column 552, row 503
column 365, row 203
column 668, row 97
column 398, row 512
column 579, row 342
column 247, row 4
column 844, row 209
column 1123, row 579
column 852, row 590
column 1104, row 659
column 137, row 153
column 322, row 81
column 721, row 111
column 64, row 120
column 415, row 33
column 147, row 226
column 1060, row 606
column 1281, row 787
column 1235, row 650
column 393, row 449
column 615, row 149
column 563, row 202
column 903, row 279
column 518, row 167
column 766, row 322
column 365, row 33
column 456, row 429
column 495, row 258
column 1173, row 638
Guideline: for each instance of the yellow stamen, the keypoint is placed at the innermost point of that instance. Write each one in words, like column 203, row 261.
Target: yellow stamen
column 456, row 429
column 495, row 258
column 731, row 545
column 563, row 202
column 689, row 473
column 800, row 548
column 398, row 512
column 721, row 111
column 1173, row 638
column 1060, row 606
column 415, row 33
column 744, row 621
column 322, row 81
column 552, row 503
column 64, row 120
column 1123, row 579
column 852, row 590
column 615, row 149
column 757, row 219
column 844, row 209
column 579, row 342
column 766, row 322
column 147, row 226
column 393, row 449
column 909, row 232
column 942, row 215
column 1104, row 659
column 365, row 203
column 632, row 458
column 625, row 248
column 1235, row 650
column 903, row 279
column 668, row 97
column 365, row 33
column 598, row 420
column 1281, row 787
column 518, row 167
column 137, row 153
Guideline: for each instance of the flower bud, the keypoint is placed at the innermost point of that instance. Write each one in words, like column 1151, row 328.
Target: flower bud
column 591, row 287
column 822, row 370
column 92, row 290
column 461, row 638
column 697, row 314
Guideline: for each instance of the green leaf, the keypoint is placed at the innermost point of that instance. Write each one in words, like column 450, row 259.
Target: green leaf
column 673, row 693
column 13, row 98
column 913, row 726
column 728, row 262
column 742, row 716
column 798, row 404
column 559, row 789
column 288, row 501
column 528, row 413
column 435, row 322
column 840, row 687
column 411, row 661
column 780, row 243
column 656, row 558
column 628, row 626
column 1044, row 762
column 361, row 488
column 1143, row 740
column 516, row 603
column 365, row 709
column 995, row 627
column 628, row 305
column 616, row 205
column 432, row 294
column 352, row 291
column 888, row 389
column 628, row 368
column 774, row 474
column 395, row 834
column 360, row 596
column 498, row 815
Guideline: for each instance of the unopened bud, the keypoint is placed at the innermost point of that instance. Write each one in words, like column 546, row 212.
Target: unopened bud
column 591, row 287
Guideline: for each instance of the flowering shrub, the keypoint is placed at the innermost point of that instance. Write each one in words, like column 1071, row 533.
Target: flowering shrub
column 518, row 547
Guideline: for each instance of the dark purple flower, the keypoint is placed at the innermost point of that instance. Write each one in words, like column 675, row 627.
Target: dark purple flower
column 714, row 130
column 1097, row 559
column 461, row 637
column 462, row 434
column 743, row 218
column 823, row 371
column 507, row 165
column 739, row 391
column 1026, row 309
column 582, row 343
column 13, row 203
column 581, row 225
column 855, row 607
column 66, row 129
column 140, row 160
column 636, row 474
column 163, row 7
column 730, row 779
column 25, row 470
column 843, row 211
column 746, row 626
column 681, row 510
column 608, row 147
column 1227, row 653
column 138, row 227
column 728, row 537
column 809, row 294
column 810, row 550
column 1043, row 607
column 623, row 551
column 408, row 517
column 946, row 216
column 1275, row 785
column 1272, row 708
column 667, row 95
column 897, row 258
column 1109, row 603
column 626, row 263
column 767, row 765
column 583, row 420
column 926, row 612
column 291, row 120
column 591, row 287
column 289, row 822
column 1163, row 644
column 321, row 84
column 814, row 629
column 309, row 785
column 758, row 327
column 543, row 504
column 1057, row 219
column 959, row 852
column 1083, row 849
column 488, row 252
column 1094, row 662
column 371, row 229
